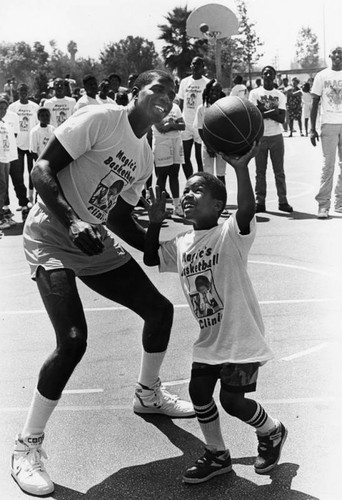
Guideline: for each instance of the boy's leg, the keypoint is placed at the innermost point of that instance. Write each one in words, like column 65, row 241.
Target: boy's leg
column 216, row 459
column 271, row 433
column 187, row 166
column 198, row 156
column 129, row 286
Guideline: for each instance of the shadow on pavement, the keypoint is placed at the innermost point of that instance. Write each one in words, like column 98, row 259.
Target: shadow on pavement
column 162, row 479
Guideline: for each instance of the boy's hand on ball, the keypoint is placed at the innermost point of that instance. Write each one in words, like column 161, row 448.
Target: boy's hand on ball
column 241, row 161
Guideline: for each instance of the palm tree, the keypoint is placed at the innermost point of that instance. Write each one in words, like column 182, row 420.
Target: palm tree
column 179, row 49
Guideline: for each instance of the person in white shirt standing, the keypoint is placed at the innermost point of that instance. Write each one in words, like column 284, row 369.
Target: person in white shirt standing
column 27, row 113
column 60, row 105
column 91, row 87
column 190, row 97
column 327, row 90
column 272, row 104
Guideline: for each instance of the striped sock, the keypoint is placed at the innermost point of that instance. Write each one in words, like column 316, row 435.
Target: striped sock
column 261, row 421
column 209, row 420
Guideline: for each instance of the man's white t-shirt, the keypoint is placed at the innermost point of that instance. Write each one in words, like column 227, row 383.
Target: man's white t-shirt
column 109, row 160
column 212, row 265
column 60, row 109
column 270, row 99
column 27, row 114
column 39, row 137
column 12, row 120
column 190, row 91
column 85, row 100
column 328, row 85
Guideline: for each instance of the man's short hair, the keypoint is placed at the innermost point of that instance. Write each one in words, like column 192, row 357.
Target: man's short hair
column 148, row 76
column 269, row 67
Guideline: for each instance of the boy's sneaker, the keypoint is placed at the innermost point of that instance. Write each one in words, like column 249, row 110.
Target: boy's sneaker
column 210, row 465
column 323, row 213
column 27, row 468
column 4, row 224
column 158, row 400
column 269, row 449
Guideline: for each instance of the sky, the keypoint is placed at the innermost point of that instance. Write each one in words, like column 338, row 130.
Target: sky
column 93, row 24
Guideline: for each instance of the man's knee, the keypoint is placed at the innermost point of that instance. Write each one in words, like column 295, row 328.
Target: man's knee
column 73, row 345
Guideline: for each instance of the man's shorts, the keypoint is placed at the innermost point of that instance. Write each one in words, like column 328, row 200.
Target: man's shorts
column 47, row 244
column 168, row 151
column 235, row 377
column 191, row 132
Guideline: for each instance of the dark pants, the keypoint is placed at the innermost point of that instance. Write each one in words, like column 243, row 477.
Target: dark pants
column 17, row 175
column 273, row 145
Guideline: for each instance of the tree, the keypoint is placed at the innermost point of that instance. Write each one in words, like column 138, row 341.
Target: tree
column 307, row 48
column 248, row 43
column 72, row 49
column 179, row 49
column 130, row 55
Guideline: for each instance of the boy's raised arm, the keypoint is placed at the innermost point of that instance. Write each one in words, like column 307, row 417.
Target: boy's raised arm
column 156, row 208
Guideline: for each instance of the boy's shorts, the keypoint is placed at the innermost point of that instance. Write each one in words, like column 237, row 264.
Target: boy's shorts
column 191, row 132
column 235, row 377
column 47, row 244
column 168, row 151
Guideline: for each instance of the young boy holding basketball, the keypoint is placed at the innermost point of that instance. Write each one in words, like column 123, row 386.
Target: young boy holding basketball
column 231, row 344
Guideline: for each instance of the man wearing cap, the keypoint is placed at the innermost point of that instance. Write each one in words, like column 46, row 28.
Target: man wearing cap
column 327, row 91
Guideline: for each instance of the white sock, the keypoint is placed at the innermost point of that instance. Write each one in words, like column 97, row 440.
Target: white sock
column 209, row 420
column 38, row 415
column 150, row 367
column 262, row 422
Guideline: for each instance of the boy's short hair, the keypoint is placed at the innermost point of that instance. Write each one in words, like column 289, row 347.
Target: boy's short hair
column 215, row 186
column 269, row 67
column 148, row 76
column 43, row 109
column 88, row 78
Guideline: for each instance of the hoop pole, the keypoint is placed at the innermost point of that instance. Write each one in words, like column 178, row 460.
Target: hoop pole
column 218, row 50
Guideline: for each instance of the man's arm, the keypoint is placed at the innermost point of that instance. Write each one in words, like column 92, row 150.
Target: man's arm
column 122, row 223
column 157, row 212
column 313, row 117
column 44, row 177
column 276, row 114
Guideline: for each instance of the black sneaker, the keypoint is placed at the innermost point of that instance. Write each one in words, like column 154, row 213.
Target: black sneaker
column 269, row 449
column 285, row 207
column 260, row 207
column 210, row 465
column 25, row 211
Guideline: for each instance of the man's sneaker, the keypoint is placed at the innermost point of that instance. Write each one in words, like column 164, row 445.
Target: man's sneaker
column 158, row 400
column 4, row 224
column 285, row 207
column 210, row 465
column 323, row 213
column 269, row 449
column 25, row 211
column 27, row 468
column 260, row 207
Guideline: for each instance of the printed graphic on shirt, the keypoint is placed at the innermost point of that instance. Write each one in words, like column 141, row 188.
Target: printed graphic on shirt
column 120, row 174
column 334, row 93
column 269, row 102
column 5, row 142
column 204, row 298
column 24, row 123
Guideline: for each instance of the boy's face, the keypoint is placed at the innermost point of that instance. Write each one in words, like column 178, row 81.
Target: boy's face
column 215, row 93
column 156, row 98
column 91, row 87
column 59, row 88
column 44, row 117
column 198, row 204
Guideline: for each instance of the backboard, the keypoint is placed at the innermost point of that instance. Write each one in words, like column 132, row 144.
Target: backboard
column 220, row 20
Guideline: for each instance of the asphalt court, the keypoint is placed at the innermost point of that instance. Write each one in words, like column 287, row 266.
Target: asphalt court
column 98, row 448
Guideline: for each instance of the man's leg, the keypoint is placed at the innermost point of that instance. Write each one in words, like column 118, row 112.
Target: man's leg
column 260, row 174
column 129, row 286
column 198, row 156
column 338, row 189
column 17, row 176
column 329, row 141
column 277, row 159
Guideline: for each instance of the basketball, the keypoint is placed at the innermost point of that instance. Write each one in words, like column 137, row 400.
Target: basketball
column 231, row 125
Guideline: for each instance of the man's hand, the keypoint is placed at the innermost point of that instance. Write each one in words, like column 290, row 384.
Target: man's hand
column 313, row 137
column 156, row 206
column 86, row 237
column 238, row 162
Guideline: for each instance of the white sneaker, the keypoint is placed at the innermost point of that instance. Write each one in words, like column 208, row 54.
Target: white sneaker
column 27, row 468
column 323, row 213
column 158, row 400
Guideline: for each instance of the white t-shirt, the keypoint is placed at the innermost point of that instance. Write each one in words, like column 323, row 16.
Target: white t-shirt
column 328, row 85
column 12, row 120
column 239, row 90
column 108, row 160
column 60, row 109
column 39, row 137
column 175, row 114
column 212, row 265
column 85, row 100
column 270, row 99
column 107, row 100
column 4, row 143
column 191, row 90
column 27, row 114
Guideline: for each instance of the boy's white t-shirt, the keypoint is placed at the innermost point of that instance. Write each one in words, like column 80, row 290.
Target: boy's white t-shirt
column 27, row 114
column 12, row 120
column 108, row 160
column 60, row 109
column 212, row 265
column 39, row 137
column 190, row 91
column 4, row 143
column 270, row 99
column 175, row 113
column 328, row 85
